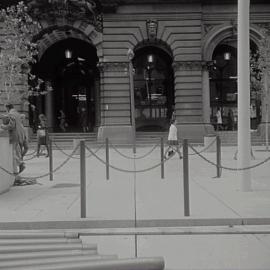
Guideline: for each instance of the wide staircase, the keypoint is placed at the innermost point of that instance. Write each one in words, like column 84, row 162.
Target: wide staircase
column 67, row 140
column 229, row 138
column 60, row 250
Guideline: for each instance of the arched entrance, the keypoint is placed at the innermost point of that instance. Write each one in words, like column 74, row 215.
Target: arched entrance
column 153, row 88
column 70, row 68
column 223, row 86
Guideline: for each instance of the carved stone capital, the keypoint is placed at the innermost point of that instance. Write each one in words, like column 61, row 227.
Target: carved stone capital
column 113, row 66
column 207, row 65
column 264, row 26
column 68, row 10
column 188, row 65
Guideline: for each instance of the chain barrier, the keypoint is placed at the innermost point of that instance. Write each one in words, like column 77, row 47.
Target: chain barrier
column 204, row 149
column 228, row 168
column 7, row 171
column 66, row 154
column 47, row 174
column 140, row 157
column 125, row 170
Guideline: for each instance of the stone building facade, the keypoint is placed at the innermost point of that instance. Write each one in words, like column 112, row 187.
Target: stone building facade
column 178, row 47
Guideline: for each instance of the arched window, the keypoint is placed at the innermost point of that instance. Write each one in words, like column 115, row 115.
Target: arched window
column 153, row 88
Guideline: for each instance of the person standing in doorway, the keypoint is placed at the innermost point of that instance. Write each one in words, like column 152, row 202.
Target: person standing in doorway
column 62, row 120
column 83, row 120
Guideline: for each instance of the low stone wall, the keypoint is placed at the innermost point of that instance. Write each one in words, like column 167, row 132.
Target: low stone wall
column 6, row 180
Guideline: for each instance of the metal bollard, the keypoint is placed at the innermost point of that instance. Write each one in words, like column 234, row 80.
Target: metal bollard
column 107, row 160
column 50, row 160
column 83, row 179
column 186, row 177
column 218, row 157
column 162, row 157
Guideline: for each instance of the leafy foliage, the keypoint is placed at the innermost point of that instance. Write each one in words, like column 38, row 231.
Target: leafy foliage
column 17, row 52
column 260, row 65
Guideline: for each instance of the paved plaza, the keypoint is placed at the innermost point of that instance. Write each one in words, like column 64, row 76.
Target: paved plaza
column 155, row 206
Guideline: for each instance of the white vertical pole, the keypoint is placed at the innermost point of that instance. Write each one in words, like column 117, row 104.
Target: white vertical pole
column 130, row 54
column 244, row 142
column 266, row 109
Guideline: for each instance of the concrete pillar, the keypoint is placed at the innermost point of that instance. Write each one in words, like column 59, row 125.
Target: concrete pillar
column 49, row 106
column 244, row 142
column 206, row 95
column 6, row 162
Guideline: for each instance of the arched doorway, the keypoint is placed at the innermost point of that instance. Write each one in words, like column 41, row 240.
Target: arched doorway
column 70, row 67
column 153, row 88
column 223, row 86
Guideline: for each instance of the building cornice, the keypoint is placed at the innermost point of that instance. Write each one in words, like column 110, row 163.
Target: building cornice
column 188, row 65
column 113, row 66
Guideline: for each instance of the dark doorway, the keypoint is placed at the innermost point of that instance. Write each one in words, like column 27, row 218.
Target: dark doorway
column 70, row 68
column 153, row 88
column 223, row 87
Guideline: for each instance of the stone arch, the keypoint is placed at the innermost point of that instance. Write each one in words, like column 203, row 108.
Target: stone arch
column 158, row 44
column 79, row 30
column 153, row 85
column 219, row 33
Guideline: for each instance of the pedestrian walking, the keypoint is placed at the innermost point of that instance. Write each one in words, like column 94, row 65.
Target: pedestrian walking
column 24, row 146
column 13, row 123
column 219, row 119
column 42, row 134
column 173, row 141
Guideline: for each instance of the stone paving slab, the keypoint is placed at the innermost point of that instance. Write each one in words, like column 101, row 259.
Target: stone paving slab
column 145, row 196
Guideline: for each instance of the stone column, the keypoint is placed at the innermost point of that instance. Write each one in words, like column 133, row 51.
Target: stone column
column 244, row 142
column 49, row 110
column 115, row 102
column 206, row 94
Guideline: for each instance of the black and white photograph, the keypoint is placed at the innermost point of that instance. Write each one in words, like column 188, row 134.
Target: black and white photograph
column 134, row 135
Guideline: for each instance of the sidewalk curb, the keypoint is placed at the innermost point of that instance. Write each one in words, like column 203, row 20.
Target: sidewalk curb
column 88, row 223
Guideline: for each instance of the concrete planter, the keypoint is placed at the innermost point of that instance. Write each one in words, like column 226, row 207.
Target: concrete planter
column 6, row 162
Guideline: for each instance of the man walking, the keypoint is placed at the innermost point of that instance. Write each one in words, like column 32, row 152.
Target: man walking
column 17, row 135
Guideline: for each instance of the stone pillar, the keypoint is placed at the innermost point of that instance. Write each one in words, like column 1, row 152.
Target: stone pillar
column 206, row 94
column 6, row 162
column 115, row 103
column 191, row 99
column 49, row 106
column 244, row 138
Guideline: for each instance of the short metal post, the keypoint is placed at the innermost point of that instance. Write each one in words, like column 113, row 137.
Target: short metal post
column 186, row 177
column 107, row 160
column 83, row 179
column 50, row 160
column 162, row 157
column 218, row 157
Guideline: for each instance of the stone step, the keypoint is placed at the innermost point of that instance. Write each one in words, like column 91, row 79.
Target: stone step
column 6, row 249
column 46, row 254
column 150, row 263
column 62, row 251
column 54, row 260
column 38, row 241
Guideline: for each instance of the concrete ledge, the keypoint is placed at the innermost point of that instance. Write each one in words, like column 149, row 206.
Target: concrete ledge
column 91, row 224
column 6, row 162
